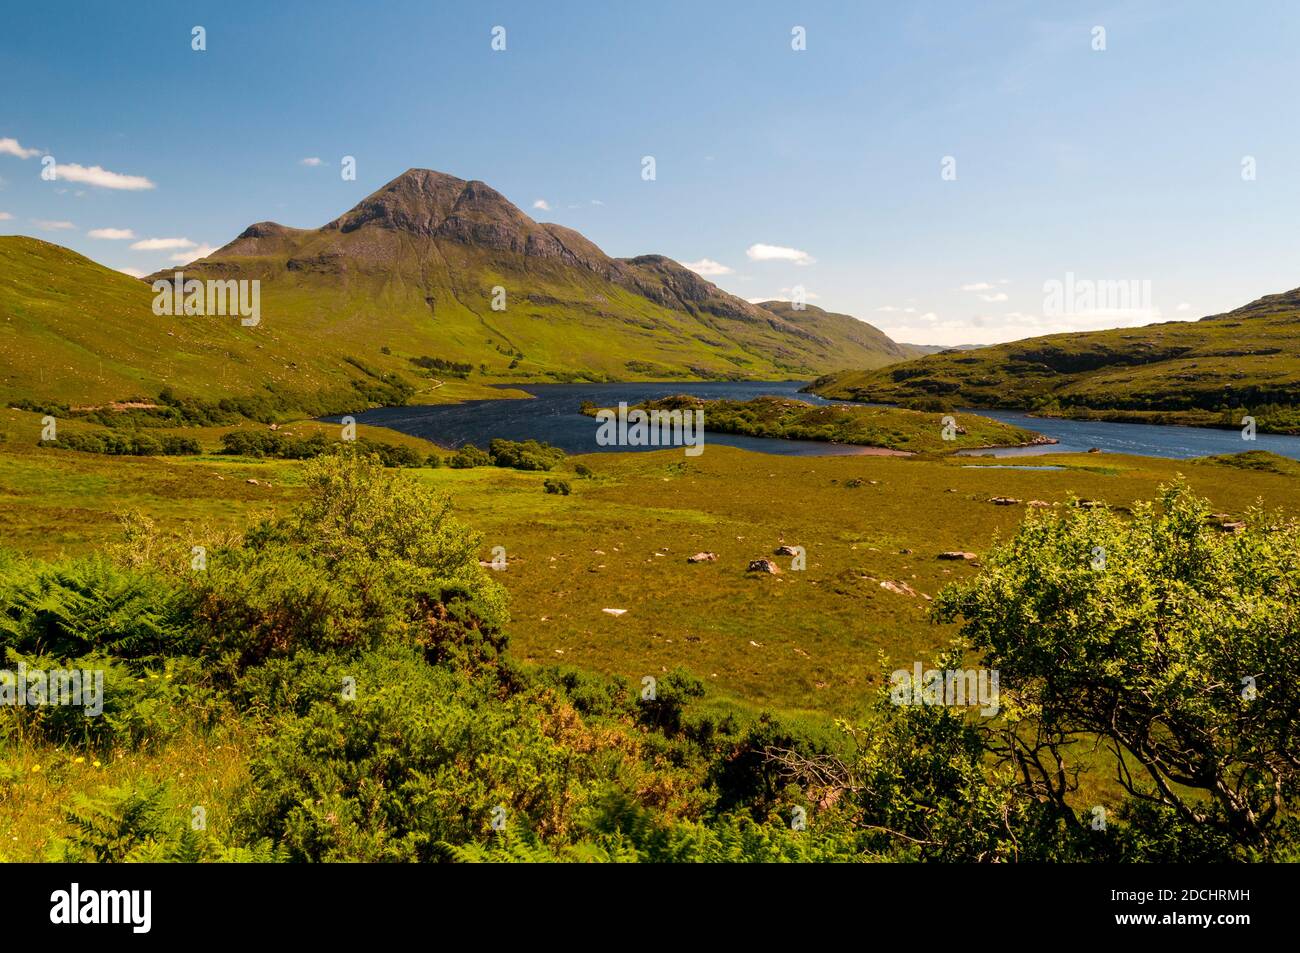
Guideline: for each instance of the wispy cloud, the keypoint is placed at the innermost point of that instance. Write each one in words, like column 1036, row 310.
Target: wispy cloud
column 10, row 147
column 112, row 234
column 311, row 161
column 761, row 252
column 707, row 267
column 100, row 177
column 542, row 205
column 203, row 251
column 996, row 296
column 49, row 226
column 162, row 244
column 133, row 272
column 5, row 216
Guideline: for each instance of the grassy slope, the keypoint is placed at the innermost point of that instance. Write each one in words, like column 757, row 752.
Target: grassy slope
column 1245, row 358
column 882, row 349
column 75, row 332
column 807, row 641
column 818, row 630
column 889, row 427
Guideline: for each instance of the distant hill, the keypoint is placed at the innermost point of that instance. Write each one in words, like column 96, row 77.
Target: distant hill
column 1249, row 357
column 867, row 337
column 410, row 272
column 940, row 348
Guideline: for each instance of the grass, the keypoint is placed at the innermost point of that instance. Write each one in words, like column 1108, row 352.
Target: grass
column 621, row 541
column 809, row 644
column 77, row 333
column 891, row 428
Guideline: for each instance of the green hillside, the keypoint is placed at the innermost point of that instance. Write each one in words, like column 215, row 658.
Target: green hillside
column 1200, row 371
column 880, row 347
column 407, row 275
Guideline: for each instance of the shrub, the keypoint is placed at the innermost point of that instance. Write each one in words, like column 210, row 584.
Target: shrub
column 557, row 486
column 525, row 455
column 370, row 555
column 124, row 444
column 422, row 756
column 469, row 456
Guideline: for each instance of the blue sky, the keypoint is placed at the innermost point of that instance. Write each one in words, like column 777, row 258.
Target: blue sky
column 1115, row 164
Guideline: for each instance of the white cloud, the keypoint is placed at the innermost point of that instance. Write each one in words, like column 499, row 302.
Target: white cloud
column 5, row 216
column 162, row 244
column 310, row 161
column 112, row 234
column 997, row 296
column 95, row 175
column 133, row 272
column 10, row 147
column 978, row 286
column 762, row 252
column 99, row 176
column 543, row 205
column 203, row 251
column 1183, row 306
column 49, row 226
column 707, row 267
column 597, row 202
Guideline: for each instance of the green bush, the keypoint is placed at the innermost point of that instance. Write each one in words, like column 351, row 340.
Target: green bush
column 370, row 556
column 553, row 485
column 468, row 456
column 526, row 455
column 270, row 443
column 125, row 444
column 422, row 756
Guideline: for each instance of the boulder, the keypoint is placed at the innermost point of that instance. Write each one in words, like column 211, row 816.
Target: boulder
column 902, row 588
column 786, row 551
column 702, row 558
column 954, row 554
column 763, row 565
column 1003, row 500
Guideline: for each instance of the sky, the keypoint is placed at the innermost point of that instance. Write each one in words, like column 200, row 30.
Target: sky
column 938, row 169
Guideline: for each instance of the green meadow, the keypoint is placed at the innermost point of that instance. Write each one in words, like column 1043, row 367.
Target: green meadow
column 622, row 538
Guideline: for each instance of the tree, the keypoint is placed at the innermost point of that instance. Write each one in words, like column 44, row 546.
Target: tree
column 1171, row 641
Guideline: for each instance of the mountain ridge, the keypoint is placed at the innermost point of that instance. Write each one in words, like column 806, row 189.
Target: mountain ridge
column 408, row 278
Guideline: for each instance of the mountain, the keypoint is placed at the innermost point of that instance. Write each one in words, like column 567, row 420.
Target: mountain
column 410, row 273
column 1249, row 357
column 875, row 342
column 416, row 263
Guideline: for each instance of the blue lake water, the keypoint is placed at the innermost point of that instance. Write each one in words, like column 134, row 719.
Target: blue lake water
column 553, row 416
